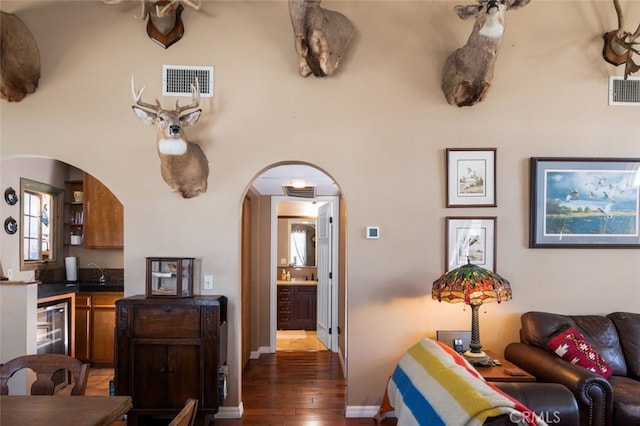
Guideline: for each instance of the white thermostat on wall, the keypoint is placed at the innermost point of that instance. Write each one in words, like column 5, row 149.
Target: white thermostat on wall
column 373, row 232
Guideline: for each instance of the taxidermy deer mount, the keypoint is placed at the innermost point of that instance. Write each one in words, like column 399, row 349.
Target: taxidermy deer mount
column 19, row 59
column 165, row 25
column 183, row 165
column 321, row 37
column 619, row 45
column 468, row 71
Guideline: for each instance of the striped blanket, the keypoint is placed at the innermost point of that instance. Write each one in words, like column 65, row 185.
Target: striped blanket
column 433, row 385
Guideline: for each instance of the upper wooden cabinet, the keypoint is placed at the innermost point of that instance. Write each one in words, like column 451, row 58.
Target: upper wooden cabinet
column 103, row 216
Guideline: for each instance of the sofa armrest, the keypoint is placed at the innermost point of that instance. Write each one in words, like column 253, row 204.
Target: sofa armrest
column 552, row 402
column 592, row 392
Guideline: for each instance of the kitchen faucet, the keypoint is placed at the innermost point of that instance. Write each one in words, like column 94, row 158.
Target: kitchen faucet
column 102, row 280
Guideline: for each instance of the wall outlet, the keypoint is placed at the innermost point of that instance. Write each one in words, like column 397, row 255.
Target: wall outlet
column 208, row 282
column 458, row 340
column 10, row 273
column 283, row 260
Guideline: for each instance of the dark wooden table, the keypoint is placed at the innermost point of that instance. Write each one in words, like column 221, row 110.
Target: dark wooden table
column 21, row 410
column 499, row 373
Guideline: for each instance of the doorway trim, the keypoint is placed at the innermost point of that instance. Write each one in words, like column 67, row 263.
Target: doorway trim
column 273, row 269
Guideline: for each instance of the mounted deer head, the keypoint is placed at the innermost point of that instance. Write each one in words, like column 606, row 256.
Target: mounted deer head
column 19, row 61
column 183, row 165
column 619, row 45
column 321, row 36
column 468, row 72
column 165, row 25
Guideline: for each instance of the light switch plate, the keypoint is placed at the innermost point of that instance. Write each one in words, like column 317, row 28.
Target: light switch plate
column 208, row 282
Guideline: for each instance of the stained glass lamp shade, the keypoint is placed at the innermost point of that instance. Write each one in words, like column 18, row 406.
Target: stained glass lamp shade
column 472, row 285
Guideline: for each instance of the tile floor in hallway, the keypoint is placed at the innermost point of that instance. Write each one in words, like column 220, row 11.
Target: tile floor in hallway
column 298, row 340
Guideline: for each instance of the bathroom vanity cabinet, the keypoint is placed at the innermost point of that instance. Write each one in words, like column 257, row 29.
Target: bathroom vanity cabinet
column 297, row 307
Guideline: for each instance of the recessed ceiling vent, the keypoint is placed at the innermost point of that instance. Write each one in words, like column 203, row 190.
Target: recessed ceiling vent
column 177, row 80
column 306, row 192
column 624, row 92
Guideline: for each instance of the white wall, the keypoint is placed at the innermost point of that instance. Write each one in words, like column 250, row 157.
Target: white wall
column 18, row 329
column 12, row 168
column 379, row 127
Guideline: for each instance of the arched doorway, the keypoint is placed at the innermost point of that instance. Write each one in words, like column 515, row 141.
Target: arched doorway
column 299, row 184
column 89, row 334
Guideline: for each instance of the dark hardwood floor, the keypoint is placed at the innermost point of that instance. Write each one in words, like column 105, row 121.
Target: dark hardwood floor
column 286, row 388
column 294, row 389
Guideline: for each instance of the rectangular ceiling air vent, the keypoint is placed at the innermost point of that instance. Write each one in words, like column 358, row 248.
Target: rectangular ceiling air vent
column 306, row 192
column 177, row 80
column 624, row 92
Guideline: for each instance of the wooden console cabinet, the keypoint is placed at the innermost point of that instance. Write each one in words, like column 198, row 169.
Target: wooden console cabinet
column 297, row 307
column 168, row 350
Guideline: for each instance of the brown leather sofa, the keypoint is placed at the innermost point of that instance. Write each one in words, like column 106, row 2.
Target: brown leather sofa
column 616, row 337
column 551, row 402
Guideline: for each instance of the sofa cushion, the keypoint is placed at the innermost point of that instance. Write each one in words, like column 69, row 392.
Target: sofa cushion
column 539, row 327
column 571, row 346
column 628, row 326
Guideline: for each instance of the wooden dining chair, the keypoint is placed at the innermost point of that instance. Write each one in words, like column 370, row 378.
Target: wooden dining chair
column 45, row 366
column 187, row 416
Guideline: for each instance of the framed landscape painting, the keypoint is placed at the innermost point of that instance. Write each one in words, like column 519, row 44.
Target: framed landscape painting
column 585, row 202
column 471, row 177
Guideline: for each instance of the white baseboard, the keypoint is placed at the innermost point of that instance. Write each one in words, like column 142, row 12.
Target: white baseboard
column 361, row 411
column 357, row 411
column 230, row 412
column 343, row 363
column 261, row 350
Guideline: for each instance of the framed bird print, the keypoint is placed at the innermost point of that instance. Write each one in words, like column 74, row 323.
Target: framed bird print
column 470, row 239
column 471, row 177
column 585, row 202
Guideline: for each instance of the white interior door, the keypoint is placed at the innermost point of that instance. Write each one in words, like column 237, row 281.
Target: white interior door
column 325, row 274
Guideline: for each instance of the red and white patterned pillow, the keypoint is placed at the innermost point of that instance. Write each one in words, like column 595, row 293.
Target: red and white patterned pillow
column 571, row 346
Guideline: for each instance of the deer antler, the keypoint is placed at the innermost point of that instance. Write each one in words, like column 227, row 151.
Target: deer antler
column 620, row 45
column 195, row 98
column 173, row 4
column 137, row 97
column 143, row 13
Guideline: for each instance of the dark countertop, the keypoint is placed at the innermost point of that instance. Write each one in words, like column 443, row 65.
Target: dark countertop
column 49, row 290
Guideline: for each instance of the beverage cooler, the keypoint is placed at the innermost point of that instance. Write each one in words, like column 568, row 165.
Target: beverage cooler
column 54, row 325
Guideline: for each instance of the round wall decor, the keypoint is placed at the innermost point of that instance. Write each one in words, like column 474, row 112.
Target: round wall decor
column 10, row 196
column 10, row 225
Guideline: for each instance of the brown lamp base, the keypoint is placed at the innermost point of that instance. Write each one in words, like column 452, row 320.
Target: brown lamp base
column 478, row 359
